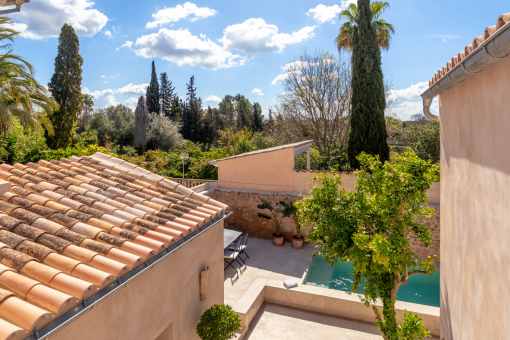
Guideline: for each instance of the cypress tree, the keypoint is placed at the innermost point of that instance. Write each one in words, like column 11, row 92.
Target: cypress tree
column 141, row 123
column 166, row 95
column 152, row 94
column 368, row 129
column 65, row 87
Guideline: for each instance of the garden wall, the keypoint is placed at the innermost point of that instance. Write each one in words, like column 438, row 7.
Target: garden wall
column 244, row 203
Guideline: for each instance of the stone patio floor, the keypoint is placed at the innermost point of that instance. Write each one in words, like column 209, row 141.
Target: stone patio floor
column 268, row 262
column 281, row 322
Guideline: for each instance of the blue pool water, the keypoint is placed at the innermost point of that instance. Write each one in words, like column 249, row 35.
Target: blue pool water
column 421, row 289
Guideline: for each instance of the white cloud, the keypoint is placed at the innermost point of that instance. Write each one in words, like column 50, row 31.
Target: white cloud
column 132, row 89
column 127, row 44
column 104, row 77
column 288, row 69
column 174, row 14
column 104, row 82
column 257, row 92
column 183, row 48
column 131, row 102
column 409, row 101
column 102, row 98
column 108, row 34
column 322, row 13
column 256, row 36
column 45, row 18
column 212, row 99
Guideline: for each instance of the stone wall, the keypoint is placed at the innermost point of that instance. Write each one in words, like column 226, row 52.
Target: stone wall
column 243, row 204
column 434, row 225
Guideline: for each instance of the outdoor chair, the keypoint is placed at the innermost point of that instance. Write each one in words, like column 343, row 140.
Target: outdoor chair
column 230, row 256
column 242, row 247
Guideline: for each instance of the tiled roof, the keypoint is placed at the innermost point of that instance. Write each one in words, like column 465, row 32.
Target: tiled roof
column 70, row 228
column 500, row 22
column 297, row 147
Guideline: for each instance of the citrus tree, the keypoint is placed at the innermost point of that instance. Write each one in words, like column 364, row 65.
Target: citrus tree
column 369, row 227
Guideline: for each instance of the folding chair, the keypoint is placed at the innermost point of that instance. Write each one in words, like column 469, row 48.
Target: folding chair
column 232, row 255
column 242, row 248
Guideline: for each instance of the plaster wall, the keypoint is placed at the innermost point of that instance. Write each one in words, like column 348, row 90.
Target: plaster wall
column 268, row 171
column 162, row 303
column 475, row 204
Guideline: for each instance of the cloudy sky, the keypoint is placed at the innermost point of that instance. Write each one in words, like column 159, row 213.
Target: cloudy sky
column 237, row 47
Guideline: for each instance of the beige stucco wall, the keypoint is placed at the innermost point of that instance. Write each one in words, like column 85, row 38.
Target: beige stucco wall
column 165, row 299
column 475, row 206
column 268, row 171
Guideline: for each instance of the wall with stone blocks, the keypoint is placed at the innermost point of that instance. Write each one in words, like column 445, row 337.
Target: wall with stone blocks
column 243, row 204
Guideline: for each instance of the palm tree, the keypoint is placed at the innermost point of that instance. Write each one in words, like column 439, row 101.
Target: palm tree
column 384, row 30
column 21, row 96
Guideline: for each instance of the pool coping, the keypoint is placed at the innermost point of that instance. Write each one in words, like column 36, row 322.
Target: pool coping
column 322, row 300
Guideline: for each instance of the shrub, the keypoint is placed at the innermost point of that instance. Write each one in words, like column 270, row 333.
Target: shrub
column 218, row 323
column 163, row 133
column 424, row 140
column 116, row 123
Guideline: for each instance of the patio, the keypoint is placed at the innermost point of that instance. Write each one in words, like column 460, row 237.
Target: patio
column 278, row 317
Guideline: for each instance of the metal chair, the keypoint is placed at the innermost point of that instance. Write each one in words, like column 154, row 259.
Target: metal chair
column 242, row 248
column 232, row 255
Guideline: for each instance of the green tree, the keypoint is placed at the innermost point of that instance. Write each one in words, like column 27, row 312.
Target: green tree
column 115, row 123
column 166, row 95
column 424, row 140
column 258, row 118
column 218, row 323
column 87, row 108
column 176, row 112
column 65, row 87
column 384, row 30
column 152, row 93
column 244, row 112
column 191, row 114
column 368, row 129
column 22, row 99
column 370, row 228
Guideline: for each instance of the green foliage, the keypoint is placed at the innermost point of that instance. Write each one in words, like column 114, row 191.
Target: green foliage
column 152, row 93
column 114, row 123
column 21, row 96
column 65, row 87
column 412, row 328
column 218, row 323
column 424, row 140
column 166, row 95
column 370, row 226
column 25, row 144
column 276, row 214
column 368, row 129
column 163, row 133
column 191, row 114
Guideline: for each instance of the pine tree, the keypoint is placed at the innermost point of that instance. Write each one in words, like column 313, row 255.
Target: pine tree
column 65, row 87
column 176, row 111
column 191, row 114
column 258, row 118
column 152, row 93
column 368, row 129
column 166, row 95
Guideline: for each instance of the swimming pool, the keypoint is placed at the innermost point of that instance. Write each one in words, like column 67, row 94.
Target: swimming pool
column 421, row 289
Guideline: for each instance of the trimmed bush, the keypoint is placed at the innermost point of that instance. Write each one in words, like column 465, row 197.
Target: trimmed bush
column 218, row 323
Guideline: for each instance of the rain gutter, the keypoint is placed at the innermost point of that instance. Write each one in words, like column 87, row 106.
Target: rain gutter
column 494, row 48
column 87, row 305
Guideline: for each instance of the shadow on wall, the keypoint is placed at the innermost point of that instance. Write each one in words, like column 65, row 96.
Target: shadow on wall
column 446, row 322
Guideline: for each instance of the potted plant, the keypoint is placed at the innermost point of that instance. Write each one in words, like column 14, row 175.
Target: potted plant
column 219, row 322
column 277, row 215
column 298, row 241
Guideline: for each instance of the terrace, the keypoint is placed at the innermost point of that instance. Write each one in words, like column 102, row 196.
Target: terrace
column 269, row 311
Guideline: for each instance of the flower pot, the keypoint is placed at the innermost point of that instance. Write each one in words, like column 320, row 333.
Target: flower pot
column 298, row 242
column 277, row 240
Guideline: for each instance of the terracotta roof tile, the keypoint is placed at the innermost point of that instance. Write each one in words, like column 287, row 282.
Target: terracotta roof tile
column 69, row 228
column 502, row 20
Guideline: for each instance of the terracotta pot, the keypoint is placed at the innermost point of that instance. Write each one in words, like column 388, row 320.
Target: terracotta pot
column 298, row 242
column 277, row 240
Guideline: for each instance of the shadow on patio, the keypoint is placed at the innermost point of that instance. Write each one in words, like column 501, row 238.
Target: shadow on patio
column 268, row 262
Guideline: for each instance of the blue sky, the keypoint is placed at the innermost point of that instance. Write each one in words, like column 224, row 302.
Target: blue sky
column 237, row 46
